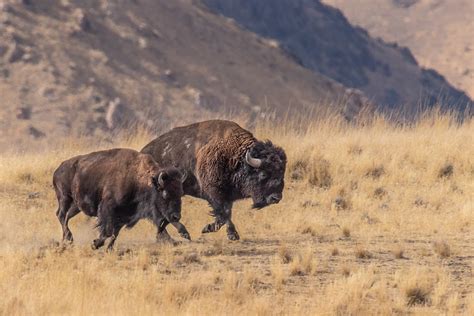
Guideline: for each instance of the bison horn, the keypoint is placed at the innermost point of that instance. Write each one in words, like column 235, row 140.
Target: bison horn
column 183, row 178
column 161, row 181
column 253, row 162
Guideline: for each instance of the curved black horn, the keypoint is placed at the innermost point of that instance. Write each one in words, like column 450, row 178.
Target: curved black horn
column 253, row 162
column 161, row 182
column 184, row 177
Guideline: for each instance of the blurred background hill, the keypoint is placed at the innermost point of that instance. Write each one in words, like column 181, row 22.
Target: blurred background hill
column 322, row 39
column 91, row 67
column 440, row 33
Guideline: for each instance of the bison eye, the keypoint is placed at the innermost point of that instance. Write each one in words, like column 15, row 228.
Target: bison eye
column 165, row 194
column 262, row 176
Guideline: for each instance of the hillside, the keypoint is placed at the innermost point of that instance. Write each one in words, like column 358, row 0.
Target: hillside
column 439, row 32
column 321, row 38
column 89, row 67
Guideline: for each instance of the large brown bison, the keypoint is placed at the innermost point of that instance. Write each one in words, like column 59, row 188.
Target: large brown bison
column 119, row 187
column 224, row 163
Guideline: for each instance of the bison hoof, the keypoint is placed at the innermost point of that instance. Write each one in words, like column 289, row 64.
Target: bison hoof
column 97, row 243
column 233, row 235
column 185, row 235
column 67, row 238
column 209, row 228
column 67, row 241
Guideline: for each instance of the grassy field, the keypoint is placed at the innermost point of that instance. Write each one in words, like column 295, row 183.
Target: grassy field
column 375, row 219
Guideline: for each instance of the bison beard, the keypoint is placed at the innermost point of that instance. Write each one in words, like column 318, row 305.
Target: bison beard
column 225, row 163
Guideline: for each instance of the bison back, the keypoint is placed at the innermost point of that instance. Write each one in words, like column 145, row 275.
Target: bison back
column 181, row 146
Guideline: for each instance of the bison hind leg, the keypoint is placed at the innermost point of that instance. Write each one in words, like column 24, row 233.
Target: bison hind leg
column 109, row 225
column 97, row 243
column 117, row 228
column 73, row 211
column 103, row 235
column 67, row 209
column 213, row 227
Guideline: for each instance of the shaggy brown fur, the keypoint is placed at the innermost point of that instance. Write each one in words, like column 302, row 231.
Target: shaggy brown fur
column 213, row 153
column 119, row 187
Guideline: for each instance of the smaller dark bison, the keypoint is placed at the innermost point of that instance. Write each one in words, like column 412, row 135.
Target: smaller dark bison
column 119, row 187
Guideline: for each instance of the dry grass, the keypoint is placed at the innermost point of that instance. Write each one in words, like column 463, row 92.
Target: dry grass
column 296, row 257
column 362, row 253
column 346, row 232
column 303, row 264
column 398, row 252
column 442, row 248
column 284, row 254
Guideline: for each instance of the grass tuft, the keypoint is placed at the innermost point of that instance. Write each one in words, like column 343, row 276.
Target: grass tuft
column 446, row 171
column 398, row 253
column 284, row 254
column 362, row 253
column 442, row 248
column 346, row 232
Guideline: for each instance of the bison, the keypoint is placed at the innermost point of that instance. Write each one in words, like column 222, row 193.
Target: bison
column 224, row 163
column 119, row 187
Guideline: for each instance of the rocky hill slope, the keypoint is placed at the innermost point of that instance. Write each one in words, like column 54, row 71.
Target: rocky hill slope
column 321, row 38
column 439, row 32
column 89, row 67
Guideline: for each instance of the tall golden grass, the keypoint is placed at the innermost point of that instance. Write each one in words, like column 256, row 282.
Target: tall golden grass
column 403, row 194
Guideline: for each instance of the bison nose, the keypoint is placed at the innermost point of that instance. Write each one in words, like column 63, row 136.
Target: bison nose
column 274, row 198
column 175, row 217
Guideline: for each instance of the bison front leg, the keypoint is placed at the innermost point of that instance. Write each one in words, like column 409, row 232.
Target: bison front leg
column 183, row 232
column 232, row 233
column 223, row 217
column 163, row 236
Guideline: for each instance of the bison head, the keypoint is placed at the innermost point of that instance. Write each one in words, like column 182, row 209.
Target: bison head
column 169, row 183
column 264, row 172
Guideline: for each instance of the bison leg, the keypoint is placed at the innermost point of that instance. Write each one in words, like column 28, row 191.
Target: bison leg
column 73, row 211
column 105, row 222
column 183, row 232
column 163, row 236
column 232, row 233
column 213, row 227
column 117, row 228
column 65, row 212
column 99, row 242
column 223, row 216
